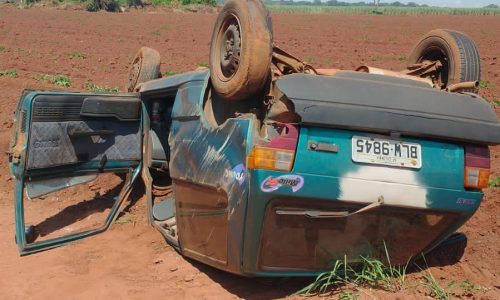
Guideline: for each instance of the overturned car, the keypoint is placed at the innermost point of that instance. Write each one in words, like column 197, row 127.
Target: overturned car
column 263, row 165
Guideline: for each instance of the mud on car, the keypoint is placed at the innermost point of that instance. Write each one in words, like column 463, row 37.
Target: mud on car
column 261, row 164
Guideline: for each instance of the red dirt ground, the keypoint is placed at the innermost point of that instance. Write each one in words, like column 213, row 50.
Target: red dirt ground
column 131, row 260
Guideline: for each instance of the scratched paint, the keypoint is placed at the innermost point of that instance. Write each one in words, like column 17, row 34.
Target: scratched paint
column 399, row 187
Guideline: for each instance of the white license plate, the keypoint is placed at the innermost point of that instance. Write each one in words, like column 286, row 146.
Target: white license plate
column 386, row 152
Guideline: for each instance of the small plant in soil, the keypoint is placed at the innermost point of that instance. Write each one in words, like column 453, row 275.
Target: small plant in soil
column 76, row 54
column 348, row 295
column 90, row 86
column 169, row 73
column 12, row 73
column 494, row 182
column 433, row 288
column 2, row 48
column 466, row 287
column 368, row 273
column 58, row 79
column 485, row 84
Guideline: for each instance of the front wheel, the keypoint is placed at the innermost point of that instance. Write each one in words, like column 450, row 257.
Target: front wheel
column 454, row 53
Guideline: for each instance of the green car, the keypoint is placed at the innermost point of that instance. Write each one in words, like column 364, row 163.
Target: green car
column 263, row 165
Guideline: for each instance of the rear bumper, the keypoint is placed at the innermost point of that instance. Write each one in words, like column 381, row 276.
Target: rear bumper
column 411, row 220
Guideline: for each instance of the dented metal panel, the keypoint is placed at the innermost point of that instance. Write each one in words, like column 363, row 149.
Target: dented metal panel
column 211, row 188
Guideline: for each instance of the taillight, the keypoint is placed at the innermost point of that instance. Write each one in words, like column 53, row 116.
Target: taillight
column 477, row 167
column 278, row 153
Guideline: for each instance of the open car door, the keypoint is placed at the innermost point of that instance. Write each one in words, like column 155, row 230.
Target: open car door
column 74, row 157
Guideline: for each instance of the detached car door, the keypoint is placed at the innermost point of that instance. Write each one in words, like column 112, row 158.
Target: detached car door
column 74, row 157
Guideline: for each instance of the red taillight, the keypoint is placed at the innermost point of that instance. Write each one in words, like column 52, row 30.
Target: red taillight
column 477, row 167
column 278, row 153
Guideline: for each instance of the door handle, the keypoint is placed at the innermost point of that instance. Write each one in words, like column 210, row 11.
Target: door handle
column 322, row 214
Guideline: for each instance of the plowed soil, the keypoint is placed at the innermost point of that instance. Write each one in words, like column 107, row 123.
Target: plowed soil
column 131, row 260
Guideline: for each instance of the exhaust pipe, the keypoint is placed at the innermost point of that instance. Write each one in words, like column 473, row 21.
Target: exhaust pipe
column 463, row 86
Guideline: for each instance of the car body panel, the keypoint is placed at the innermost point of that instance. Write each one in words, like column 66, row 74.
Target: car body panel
column 52, row 141
column 333, row 178
column 383, row 104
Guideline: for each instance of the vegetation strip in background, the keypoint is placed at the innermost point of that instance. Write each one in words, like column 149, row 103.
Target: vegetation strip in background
column 385, row 10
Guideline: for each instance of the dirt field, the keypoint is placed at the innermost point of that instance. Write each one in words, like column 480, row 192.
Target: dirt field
column 131, row 260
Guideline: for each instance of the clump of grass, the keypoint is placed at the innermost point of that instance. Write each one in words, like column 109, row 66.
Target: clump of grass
column 348, row 295
column 58, row 79
column 76, row 54
column 205, row 65
column 466, row 287
column 90, row 86
column 369, row 272
column 433, row 287
column 494, row 182
column 2, row 48
column 12, row 73
column 169, row 73
column 485, row 84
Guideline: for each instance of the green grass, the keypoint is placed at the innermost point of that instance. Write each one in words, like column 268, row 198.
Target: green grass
column 434, row 289
column 367, row 273
column 2, row 48
column 348, row 295
column 485, row 84
column 494, row 182
column 169, row 73
column 370, row 10
column 90, row 86
column 206, row 65
column 58, row 79
column 466, row 287
column 12, row 73
column 76, row 54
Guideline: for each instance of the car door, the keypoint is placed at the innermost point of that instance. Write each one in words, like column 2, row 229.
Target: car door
column 74, row 158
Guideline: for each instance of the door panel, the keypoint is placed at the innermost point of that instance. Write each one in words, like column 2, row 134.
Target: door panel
column 62, row 142
column 69, row 142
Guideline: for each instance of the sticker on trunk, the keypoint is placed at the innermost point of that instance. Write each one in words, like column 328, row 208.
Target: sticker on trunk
column 271, row 183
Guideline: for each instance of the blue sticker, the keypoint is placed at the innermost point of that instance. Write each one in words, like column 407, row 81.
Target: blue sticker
column 236, row 174
column 463, row 201
column 271, row 183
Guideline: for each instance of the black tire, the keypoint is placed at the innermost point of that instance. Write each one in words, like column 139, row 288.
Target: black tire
column 455, row 50
column 241, row 49
column 145, row 67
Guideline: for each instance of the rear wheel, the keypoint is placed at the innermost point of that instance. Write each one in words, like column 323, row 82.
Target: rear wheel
column 145, row 67
column 241, row 49
column 454, row 51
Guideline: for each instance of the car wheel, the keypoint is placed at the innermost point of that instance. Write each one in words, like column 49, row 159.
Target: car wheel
column 456, row 52
column 241, row 49
column 145, row 67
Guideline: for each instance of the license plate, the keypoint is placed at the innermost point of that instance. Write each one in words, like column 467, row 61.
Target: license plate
column 386, row 152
